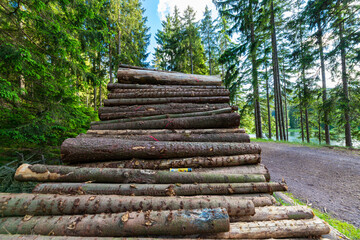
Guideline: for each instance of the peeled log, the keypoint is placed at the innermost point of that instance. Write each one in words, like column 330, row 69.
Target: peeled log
column 161, row 94
column 222, row 137
column 195, row 162
column 275, row 229
column 163, row 107
column 226, row 120
column 165, row 116
column 165, row 131
column 272, row 213
column 158, row 189
column 104, row 149
column 150, row 223
column 136, row 101
column 130, row 75
column 58, row 173
column 21, row 204
column 147, row 113
column 112, row 86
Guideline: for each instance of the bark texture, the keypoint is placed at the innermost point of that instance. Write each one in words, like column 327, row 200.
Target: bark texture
column 105, row 149
column 21, row 204
column 141, row 101
column 226, row 120
column 165, row 131
column 112, row 86
column 128, row 75
column 158, row 189
column 195, row 162
column 150, row 223
column 56, row 173
column 275, row 229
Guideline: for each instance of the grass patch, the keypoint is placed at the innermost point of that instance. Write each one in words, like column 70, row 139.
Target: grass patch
column 345, row 228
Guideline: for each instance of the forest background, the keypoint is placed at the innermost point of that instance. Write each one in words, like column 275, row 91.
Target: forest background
column 276, row 57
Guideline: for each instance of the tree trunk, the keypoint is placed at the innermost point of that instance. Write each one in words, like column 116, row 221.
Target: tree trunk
column 319, row 128
column 324, row 94
column 268, row 102
column 163, row 94
column 344, row 78
column 140, row 101
column 275, row 229
column 128, row 75
column 226, row 120
column 121, row 224
column 156, row 131
column 47, row 204
column 272, row 213
column 95, row 106
column 161, row 87
column 307, row 125
column 159, row 189
column 164, row 107
column 110, row 65
column 153, row 112
column 104, row 149
column 100, row 95
column 56, row 173
column 195, row 162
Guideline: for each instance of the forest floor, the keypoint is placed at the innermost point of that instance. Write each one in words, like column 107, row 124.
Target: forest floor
column 327, row 179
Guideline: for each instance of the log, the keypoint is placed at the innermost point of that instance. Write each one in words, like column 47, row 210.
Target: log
column 272, row 213
column 129, row 75
column 159, row 189
column 112, row 86
column 152, row 112
column 171, row 88
column 226, row 120
column 104, row 149
column 164, row 94
column 21, row 204
column 141, row 101
column 58, row 173
column 195, row 162
column 248, row 169
column 150, row 223
column 164, row 107
column 176, row 137
column 275, row 229
column 166, row 116
column 166, row 131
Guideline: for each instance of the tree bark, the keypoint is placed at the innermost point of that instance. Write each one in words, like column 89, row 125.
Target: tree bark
column 164, row 107
column 47, row 204
column 95, row 106
column 144, row 101
column 127, row 75
column 196, row 162
column 159, row 189
column 226, row 120
column 307, row 125
column 160, row 87
column 275, row 229
column 165, row 131
column 103, row 149
column 268, row 102
column 56, row 173
column 166, row 116
column 183, row 222
column 272, row 213
column 162, row 94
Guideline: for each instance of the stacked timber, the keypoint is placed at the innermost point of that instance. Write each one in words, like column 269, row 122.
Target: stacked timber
column 166, row 160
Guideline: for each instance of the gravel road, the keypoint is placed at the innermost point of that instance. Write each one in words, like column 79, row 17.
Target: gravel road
column 329, row 179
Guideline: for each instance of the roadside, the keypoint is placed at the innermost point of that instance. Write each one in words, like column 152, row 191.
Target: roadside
column 328, row 179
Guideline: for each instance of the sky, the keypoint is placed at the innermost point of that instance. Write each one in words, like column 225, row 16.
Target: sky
column 156, row 11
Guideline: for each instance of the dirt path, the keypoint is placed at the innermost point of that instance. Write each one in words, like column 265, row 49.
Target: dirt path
column 329, row 179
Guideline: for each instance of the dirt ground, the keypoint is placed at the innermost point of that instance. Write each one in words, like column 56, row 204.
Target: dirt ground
column 329, row 179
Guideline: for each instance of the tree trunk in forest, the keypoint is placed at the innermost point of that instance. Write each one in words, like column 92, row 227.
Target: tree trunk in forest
column 226, row 120
column 324, row 93
column 114, row 86
column 162, row 94
column 301, row 121
column 180, row 222
column 195, row 162
column 140, row 101
column 268, row 101
column 279, row 229
column 157, row 131
column 319, row 128
column 110, row 65
column 307, row 125
column 286, row 111
column 104, row 149
column 55, row 173
column 47, row 204
column 129, row 75
column 159, row 189
column 95, row 106
column 100, row 95
column 344, row 78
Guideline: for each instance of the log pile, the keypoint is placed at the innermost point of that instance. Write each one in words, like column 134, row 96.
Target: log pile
column 166, row 160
